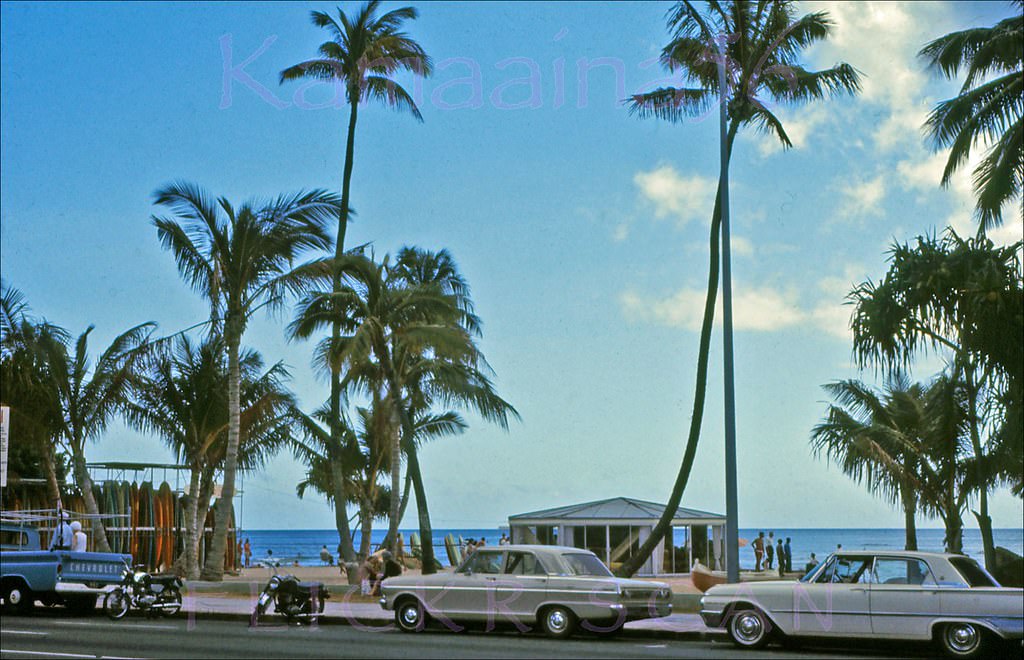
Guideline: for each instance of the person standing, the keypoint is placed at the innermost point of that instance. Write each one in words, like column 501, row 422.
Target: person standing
column 769, row 550
column 400, row 549
column 789, row 556
column 247, row 552
column 811, row 564
column 781, row 552
column 758, row 551
column 79, row 540
column 62, row 533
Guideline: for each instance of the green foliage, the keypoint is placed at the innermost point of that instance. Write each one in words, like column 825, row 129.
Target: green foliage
column 989, row 109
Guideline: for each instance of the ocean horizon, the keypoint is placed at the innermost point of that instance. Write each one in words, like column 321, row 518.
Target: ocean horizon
column 303, row 545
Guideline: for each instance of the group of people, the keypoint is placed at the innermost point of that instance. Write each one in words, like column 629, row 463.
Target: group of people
column 68, row 535
column 767, row 552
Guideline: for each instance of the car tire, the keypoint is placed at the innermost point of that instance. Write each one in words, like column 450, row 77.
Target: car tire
column 410, row 616
column 558, row 622
column 18, row 597
column 963, row 640
column 749, row 628
column 115, row 604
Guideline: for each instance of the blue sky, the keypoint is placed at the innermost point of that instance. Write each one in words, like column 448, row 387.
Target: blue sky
column 581, row 229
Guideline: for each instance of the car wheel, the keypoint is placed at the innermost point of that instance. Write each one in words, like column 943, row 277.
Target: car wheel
column 749, row 628
column 410, row 616
column 962, row 640
column 115, row 604
column 19, row 598
column 558, row 622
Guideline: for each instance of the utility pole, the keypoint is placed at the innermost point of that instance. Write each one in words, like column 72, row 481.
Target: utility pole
column 732, row 545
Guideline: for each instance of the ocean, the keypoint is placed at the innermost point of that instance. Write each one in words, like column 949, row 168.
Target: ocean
column 303, row 545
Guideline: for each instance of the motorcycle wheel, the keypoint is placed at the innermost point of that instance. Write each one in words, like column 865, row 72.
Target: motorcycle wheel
column 172, row 603
column 115, row 604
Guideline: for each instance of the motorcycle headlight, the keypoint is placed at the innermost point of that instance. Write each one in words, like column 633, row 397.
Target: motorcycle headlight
column 275, row 582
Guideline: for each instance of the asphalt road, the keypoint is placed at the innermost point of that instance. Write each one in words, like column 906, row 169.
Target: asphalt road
column 62, row 636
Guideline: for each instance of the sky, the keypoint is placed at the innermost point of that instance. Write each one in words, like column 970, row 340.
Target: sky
column 581, row 229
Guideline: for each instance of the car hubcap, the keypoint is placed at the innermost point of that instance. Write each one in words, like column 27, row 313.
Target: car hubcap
column 748, row 627
column 410, row 615
column 557, row 621
column 15, row 597
column 962, row 638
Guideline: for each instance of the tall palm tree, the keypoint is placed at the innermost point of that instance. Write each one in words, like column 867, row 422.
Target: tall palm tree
column 877, row 440
column 241, row 260
column 364, row 54
column 763, row 43
column 89, row 396
column 182, row 397
column 988, row 109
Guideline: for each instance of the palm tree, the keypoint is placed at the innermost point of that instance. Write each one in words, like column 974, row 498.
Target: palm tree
column 987, row 109
column 877, row 440
column 89, row 396
column 25, row 387
column 962, row 298
column 763, row 43
column 364, row 54
column 240, row 260
column 182, row 397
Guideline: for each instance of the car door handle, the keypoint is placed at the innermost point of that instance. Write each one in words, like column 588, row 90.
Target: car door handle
column 859, row 589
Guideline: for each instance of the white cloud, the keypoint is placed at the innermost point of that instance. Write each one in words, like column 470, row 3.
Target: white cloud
column 759, row 309
column 741, row 246
column 861, row 198
column 684, row 198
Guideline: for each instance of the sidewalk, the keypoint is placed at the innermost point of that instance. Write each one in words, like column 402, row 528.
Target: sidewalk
column 211, row 601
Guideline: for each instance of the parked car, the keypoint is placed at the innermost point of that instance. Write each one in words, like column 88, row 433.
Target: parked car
column 557, row 588
column 895, row 595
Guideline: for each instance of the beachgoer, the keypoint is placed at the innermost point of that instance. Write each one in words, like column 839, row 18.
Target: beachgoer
column 789, row 556
column 503, row 540
column 470, row 547
column 811, row 564
column 238, row 555
column 769, row 550
column 781, row 552
column 482, row 542
column 325, row 555
column 400, row 548
column 247, row 551
column 62, row 534
column 758, row 551
column 391, row 566
column 79, row 539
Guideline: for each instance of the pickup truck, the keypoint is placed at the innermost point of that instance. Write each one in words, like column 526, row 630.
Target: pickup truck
column 53, row 577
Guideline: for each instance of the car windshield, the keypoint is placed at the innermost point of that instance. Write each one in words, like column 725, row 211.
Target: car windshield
column 975, row 575
column 585, row 564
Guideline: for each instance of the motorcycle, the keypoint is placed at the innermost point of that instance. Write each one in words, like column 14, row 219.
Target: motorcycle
column 157, row 595
column 296, row 601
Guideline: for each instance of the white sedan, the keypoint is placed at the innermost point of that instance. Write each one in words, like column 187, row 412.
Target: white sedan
column 898, row 595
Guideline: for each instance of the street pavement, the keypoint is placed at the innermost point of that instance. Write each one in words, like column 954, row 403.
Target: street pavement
column 55, row 633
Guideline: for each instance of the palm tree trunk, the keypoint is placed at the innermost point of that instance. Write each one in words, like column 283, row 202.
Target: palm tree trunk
column 365, row 528
column 84, row 481
column 423, row 515
column 984, row 520
column 214, row 568
column 635, row 561
column 191, row 549
column 406, row 490
column 49, row 468
column 954, row 541
column 202, row 509
column 346, row 550
column 909, row 516
column 396, row 482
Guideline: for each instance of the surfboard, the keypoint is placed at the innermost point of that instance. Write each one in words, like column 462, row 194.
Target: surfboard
column 134, row 532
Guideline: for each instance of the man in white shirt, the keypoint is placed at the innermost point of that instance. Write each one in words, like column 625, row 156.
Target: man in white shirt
column 62, row 534
column 79, row 540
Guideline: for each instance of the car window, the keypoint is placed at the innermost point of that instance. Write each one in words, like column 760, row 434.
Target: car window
column 890, row 570
column 524, row 563
column 846, row 570
column 482, row 561
column 973, row 574
column 585, row 564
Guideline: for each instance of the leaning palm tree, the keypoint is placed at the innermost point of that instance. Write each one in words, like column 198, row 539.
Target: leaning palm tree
column 89, row 396
column 241, row 260
column 364, row 54
column 988, row 109
column 763, row 43
column 876, row 440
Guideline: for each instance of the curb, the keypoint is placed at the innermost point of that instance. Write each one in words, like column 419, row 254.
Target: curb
column 377, row 624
